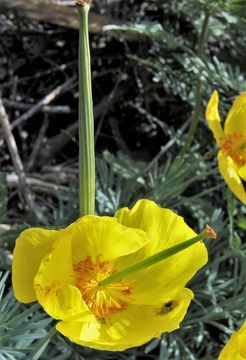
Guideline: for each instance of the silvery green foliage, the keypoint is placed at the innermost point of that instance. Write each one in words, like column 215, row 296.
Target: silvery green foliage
column 20, row 326
column 172, row 59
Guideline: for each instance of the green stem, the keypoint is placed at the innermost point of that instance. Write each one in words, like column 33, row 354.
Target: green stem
column 86, row 120
column 160, row 256
column 198, row 89
column 203, row 34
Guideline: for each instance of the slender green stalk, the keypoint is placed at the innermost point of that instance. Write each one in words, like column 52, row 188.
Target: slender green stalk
column 198, row 89
column 86, row 120
column 160, row 256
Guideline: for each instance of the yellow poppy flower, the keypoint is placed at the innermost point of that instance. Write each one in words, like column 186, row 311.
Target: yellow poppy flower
column 61, row 269
column 231, row 141
column 235, row 349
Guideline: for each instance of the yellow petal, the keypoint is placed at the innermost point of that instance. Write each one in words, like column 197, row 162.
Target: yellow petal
column 213, row 118
column 242, row 344
column 242, row 172
column 235, row 349
column 31, row 246
column 229, row 171
column 54, row 283
column 231, row 350
column 82, row 331
column 165, row 229
column 163, row 226
column 242, row 340
column 132, row 327
column 236, row 118
column 95, row 236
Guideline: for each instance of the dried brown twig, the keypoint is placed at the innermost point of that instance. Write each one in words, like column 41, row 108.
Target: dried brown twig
column 17, row 162
column 55, row 109
column 57, row 142
column 45, row 101
column 38, row 144
column 41, row 186
column 42, row 10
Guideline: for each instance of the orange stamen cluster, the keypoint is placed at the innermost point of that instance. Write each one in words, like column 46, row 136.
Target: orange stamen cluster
column 235, row 147
column 102, row 300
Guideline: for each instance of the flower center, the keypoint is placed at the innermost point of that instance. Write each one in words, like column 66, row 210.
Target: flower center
column 235, row 147
column 102, row 300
